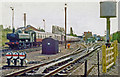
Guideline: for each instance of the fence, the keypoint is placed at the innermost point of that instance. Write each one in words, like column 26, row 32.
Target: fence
column 109, row 56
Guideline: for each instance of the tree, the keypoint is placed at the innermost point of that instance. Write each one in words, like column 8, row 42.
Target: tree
column 1, row 27
column 9, row 27
column 71, row 31
column 42, row 30
column 116, row 36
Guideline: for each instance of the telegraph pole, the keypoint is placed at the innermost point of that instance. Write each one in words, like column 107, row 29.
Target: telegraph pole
column 12, row 18
column 44, row 23
column 65, row 23
column 24, row 19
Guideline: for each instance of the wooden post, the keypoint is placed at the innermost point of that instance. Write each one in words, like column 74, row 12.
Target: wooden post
column 107, row 52
column 104, row 58
column 98, row 64
column 110, row 56
column 85, row 75
column 114, row 50
column 117, row 47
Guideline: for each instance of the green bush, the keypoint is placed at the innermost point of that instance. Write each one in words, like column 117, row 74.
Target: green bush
column 116, row 36
column 4, row 35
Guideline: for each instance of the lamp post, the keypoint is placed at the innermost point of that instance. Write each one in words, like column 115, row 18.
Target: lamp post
column 44, row 24
column 12, row 8
column 65, row 23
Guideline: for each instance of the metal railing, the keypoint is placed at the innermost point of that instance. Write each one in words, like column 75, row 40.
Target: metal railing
column 109, row 55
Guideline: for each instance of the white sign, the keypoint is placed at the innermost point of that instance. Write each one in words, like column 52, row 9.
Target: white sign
column 15, row 55
column 9, row 55
column 22, row 55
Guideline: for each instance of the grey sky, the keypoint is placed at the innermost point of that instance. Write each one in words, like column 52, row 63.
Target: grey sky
column 82, row 16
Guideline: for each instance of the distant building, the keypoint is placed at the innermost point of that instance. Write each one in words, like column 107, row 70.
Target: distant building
column 57, row 30
column 87, row 35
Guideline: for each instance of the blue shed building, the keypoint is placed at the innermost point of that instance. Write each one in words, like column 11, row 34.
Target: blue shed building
column 50, row 46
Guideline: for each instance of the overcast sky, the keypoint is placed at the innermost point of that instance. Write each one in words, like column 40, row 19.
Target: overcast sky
column 82, row 16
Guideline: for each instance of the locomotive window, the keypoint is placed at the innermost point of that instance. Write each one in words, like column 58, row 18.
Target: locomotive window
column 38, row 35
column 42, row 36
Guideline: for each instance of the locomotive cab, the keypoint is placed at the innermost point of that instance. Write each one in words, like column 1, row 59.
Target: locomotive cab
column 21, row 39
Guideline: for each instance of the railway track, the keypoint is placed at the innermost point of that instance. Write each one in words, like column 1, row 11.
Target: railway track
column 64, row 69
column 7, row 49
column 4, row 51
column 54, row 66
column 28, row 69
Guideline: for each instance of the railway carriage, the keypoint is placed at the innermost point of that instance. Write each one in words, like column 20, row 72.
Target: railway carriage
column 25, row 39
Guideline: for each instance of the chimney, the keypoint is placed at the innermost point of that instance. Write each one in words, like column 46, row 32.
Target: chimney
column 24, row 19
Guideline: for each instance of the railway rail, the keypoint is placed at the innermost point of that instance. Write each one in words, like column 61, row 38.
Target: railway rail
column 4, row 51
column 20, row 72
column 7, row 49
column 63, row 61
column 70, row 64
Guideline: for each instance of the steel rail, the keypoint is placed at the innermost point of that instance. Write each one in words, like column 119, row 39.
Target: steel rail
column 68, row 64
column 22, row 71
column 28, row 69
